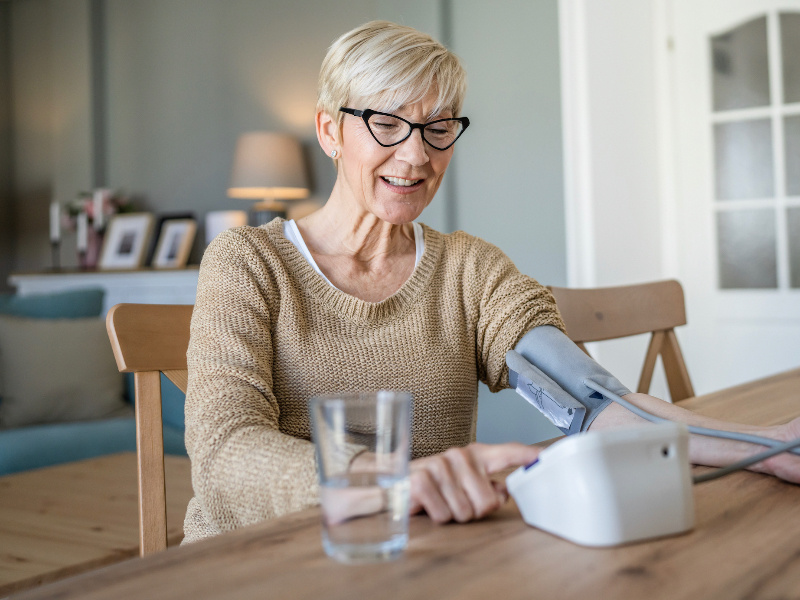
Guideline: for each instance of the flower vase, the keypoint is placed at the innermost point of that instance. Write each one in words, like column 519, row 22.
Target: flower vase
column 94, row 243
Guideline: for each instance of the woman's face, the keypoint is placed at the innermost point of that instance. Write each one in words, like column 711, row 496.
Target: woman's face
column 395, row 184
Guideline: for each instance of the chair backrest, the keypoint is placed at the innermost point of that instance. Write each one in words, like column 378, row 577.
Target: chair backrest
column 150, row 339
column 593, row 315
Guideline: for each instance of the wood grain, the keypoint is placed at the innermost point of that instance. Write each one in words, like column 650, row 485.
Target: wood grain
column 746, row 544
column 66, row 519
column 150, row 463
column 155, row 336
column 598, row 314
column 148, row 339
column 595, row 314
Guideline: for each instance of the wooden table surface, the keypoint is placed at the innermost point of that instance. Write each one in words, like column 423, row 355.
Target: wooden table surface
column 746, row 544
column 66, row 519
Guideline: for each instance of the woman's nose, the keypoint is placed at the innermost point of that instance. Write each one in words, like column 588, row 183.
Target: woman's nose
column 413, row 150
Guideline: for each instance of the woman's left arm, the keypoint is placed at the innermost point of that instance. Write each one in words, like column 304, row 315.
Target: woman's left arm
column 556, row 356
column 705, row 450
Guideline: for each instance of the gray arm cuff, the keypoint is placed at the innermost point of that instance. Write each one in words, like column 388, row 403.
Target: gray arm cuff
column 562, row 361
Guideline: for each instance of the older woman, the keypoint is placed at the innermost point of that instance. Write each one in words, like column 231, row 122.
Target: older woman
column 358, row 296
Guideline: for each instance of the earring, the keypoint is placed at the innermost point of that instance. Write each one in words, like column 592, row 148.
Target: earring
column 334, row 153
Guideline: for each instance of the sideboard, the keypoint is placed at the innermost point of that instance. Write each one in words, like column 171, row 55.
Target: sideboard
column 146, row 286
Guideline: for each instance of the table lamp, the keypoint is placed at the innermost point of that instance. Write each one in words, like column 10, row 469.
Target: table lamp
column 268, row 167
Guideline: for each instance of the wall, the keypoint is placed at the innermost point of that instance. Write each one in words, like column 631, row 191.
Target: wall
column 51, row 119
column 31, row 112
column 508, row 170
column 183, row 78
column 614, row 180
column 6, row 214
column 223, row 68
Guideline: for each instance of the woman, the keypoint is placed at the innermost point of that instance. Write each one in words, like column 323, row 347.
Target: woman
column 356, row 296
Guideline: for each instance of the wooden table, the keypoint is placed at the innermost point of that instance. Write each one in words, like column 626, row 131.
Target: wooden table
column 746, row 544
column 70, row 518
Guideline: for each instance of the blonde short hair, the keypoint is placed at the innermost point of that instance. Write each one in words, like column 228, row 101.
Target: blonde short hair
column 383, row 66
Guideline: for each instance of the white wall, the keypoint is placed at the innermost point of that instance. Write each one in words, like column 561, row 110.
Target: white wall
column 613, row 137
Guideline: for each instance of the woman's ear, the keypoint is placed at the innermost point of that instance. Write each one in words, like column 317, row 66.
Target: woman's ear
column 327, row 133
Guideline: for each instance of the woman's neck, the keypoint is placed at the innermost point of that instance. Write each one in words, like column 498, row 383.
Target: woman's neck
column 340, row 229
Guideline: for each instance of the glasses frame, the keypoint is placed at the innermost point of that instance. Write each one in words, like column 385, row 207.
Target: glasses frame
column 366, row 114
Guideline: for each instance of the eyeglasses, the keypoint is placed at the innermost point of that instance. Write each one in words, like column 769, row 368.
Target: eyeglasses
column 390, row 130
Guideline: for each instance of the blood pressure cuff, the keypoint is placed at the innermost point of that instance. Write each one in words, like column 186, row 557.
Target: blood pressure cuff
column 548, row 370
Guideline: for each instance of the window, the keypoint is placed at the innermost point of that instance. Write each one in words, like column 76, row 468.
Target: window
column 755, row 119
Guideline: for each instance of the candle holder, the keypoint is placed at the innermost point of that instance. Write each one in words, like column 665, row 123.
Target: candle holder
column 55, row 250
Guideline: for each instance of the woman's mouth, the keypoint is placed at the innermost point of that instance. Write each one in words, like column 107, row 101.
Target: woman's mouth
column 401, row 185
column 401, row 182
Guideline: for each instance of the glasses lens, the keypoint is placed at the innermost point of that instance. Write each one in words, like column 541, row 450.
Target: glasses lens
column 442, row 134
column 387, row 129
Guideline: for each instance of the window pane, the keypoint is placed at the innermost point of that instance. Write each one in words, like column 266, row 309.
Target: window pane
column 743, row 153
column 746, row 241
column 791, row 134
column 790, row 50
column 793, row 222
column 740, row 65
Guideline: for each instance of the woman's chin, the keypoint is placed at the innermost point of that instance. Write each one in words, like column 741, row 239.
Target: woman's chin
column 399, row 217
column 399, row 212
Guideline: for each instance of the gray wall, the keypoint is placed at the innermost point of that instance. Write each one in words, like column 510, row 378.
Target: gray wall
column 32, row 129
column 185, row 78
column 6, row 214
column 508, row 169
column 51, row 118
column 181, row 79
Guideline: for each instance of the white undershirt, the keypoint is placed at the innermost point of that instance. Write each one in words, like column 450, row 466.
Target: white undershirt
column 292, row 233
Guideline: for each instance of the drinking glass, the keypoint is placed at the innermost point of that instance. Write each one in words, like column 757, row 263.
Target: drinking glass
column 362, row 445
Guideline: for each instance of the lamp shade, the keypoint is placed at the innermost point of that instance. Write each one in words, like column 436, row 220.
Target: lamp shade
column 268, row 165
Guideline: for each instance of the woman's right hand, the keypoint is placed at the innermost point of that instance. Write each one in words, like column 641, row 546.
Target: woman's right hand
column 456, row 485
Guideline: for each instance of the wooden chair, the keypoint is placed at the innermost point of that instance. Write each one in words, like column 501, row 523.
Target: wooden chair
column 597, row 314
column 150, row 339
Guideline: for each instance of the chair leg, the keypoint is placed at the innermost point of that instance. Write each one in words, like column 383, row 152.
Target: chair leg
column 680, row 386
column 150, row 458
column 646, row 378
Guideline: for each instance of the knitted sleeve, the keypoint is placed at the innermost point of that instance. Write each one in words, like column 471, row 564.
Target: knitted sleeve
column 509, row 305
column 244, row 469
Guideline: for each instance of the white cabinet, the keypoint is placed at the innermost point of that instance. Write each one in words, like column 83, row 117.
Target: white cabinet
column 145, row 286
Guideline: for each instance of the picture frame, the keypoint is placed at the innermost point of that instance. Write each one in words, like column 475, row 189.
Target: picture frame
column 158, row 224
column 174, row 243
column 125, row 241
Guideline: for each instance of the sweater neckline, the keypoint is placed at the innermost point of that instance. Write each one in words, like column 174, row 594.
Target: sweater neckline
column 348, row 306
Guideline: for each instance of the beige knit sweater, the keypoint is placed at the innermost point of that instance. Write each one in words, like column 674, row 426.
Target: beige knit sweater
column 268, row 333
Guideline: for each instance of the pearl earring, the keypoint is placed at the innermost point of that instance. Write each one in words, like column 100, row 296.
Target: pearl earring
column 334, row 153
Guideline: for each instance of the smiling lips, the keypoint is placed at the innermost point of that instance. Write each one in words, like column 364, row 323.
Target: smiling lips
column 401, row 182
column 402, row 186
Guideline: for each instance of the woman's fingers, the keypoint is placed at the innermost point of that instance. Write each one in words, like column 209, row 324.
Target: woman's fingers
column 475, row 482
column 435, row 485
column 496, row 457
column 456, row 485
column 500, row 487
column 425, row 494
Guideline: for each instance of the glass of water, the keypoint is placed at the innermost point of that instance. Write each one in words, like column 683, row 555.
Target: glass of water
column 363, row 444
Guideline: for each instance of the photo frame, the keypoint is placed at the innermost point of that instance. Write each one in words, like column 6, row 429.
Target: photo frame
column 160, row 220
column 174, row 243
column 125, row 241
